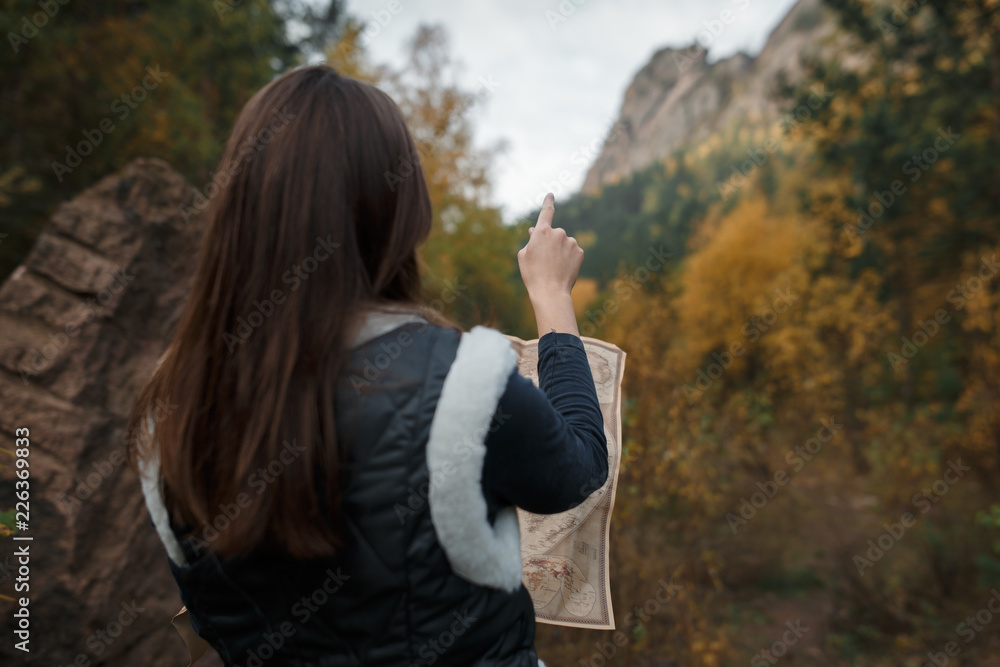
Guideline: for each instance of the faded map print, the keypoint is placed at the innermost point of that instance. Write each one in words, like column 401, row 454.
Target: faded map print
column 565, row 556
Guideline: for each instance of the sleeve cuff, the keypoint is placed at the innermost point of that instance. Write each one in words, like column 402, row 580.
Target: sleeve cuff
column 558, row 339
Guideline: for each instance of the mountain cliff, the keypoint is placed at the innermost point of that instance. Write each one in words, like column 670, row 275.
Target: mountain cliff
column 679, row 97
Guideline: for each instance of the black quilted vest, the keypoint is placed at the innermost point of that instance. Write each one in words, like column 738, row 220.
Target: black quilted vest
column 390, row 597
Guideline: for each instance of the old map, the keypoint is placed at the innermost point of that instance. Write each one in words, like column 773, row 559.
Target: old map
column 565, row 556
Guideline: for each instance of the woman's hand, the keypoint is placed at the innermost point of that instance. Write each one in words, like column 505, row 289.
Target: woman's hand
column 550, row 264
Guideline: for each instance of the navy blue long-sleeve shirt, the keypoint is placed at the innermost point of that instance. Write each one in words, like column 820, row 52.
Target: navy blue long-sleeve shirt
column 546, row 450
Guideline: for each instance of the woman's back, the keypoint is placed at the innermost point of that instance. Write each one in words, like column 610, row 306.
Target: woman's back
column 341, row 490
column 390, row 597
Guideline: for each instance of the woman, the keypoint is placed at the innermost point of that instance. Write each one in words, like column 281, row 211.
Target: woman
column 338, row 485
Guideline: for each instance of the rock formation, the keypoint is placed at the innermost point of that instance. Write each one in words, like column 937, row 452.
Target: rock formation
column 82, row 322
column 679, row 98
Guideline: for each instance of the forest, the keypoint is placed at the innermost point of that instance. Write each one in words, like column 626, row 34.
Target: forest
column 811, row 419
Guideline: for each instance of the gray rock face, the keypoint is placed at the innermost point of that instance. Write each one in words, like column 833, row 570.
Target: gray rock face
column 82, row 322
column 678, row 98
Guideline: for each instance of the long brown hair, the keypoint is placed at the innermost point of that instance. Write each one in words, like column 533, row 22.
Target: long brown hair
column 314, row 217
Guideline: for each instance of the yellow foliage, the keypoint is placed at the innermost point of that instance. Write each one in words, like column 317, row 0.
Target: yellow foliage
column 586, row 239
column 585, row 291
column 347, row 55
column 750, row 266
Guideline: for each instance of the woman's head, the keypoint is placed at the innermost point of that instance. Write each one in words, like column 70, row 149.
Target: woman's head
column 315, row 159
column 319, row 209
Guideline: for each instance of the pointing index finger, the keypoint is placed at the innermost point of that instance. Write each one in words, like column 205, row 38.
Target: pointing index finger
column 548, row 210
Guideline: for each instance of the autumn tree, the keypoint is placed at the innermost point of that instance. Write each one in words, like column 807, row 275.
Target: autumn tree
column 87, row 87
column 470, row 258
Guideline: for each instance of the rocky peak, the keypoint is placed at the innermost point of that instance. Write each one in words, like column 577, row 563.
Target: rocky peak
column 679, row 98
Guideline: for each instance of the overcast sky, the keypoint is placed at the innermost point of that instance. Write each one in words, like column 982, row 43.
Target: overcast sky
column 561, row 69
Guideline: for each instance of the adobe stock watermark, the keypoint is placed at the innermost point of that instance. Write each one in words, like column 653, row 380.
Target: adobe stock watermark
column 409, row 164
column 779, row 648
column 969, row 629
column 705, row 38
column 760, row 155
column 899, row 15
column 30, row 27
column 264, row 309
column 310, row 604
column 41, row 360
column 562, row 12
column 110, row 464
column 924, row 501
column 582, row 158
column 380, row 20
column 418, row 498
column 102, row 639
column 753, row 329
column 247, row 151
column 639, row 616
column 432, row 650
column 259, row 480
column 121, row 107
column 915, row 167
column 797, row 459
column 624, row 288
column 302, row 610
column 927, row 329
column 373, row 368
column 964, row 291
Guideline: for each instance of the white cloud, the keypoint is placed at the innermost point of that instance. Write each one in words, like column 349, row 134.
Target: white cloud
column 561, row 87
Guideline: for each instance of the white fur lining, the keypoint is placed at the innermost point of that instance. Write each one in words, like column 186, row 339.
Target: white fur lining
column 149, row 476
column 482, row 554
column 485, row 555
